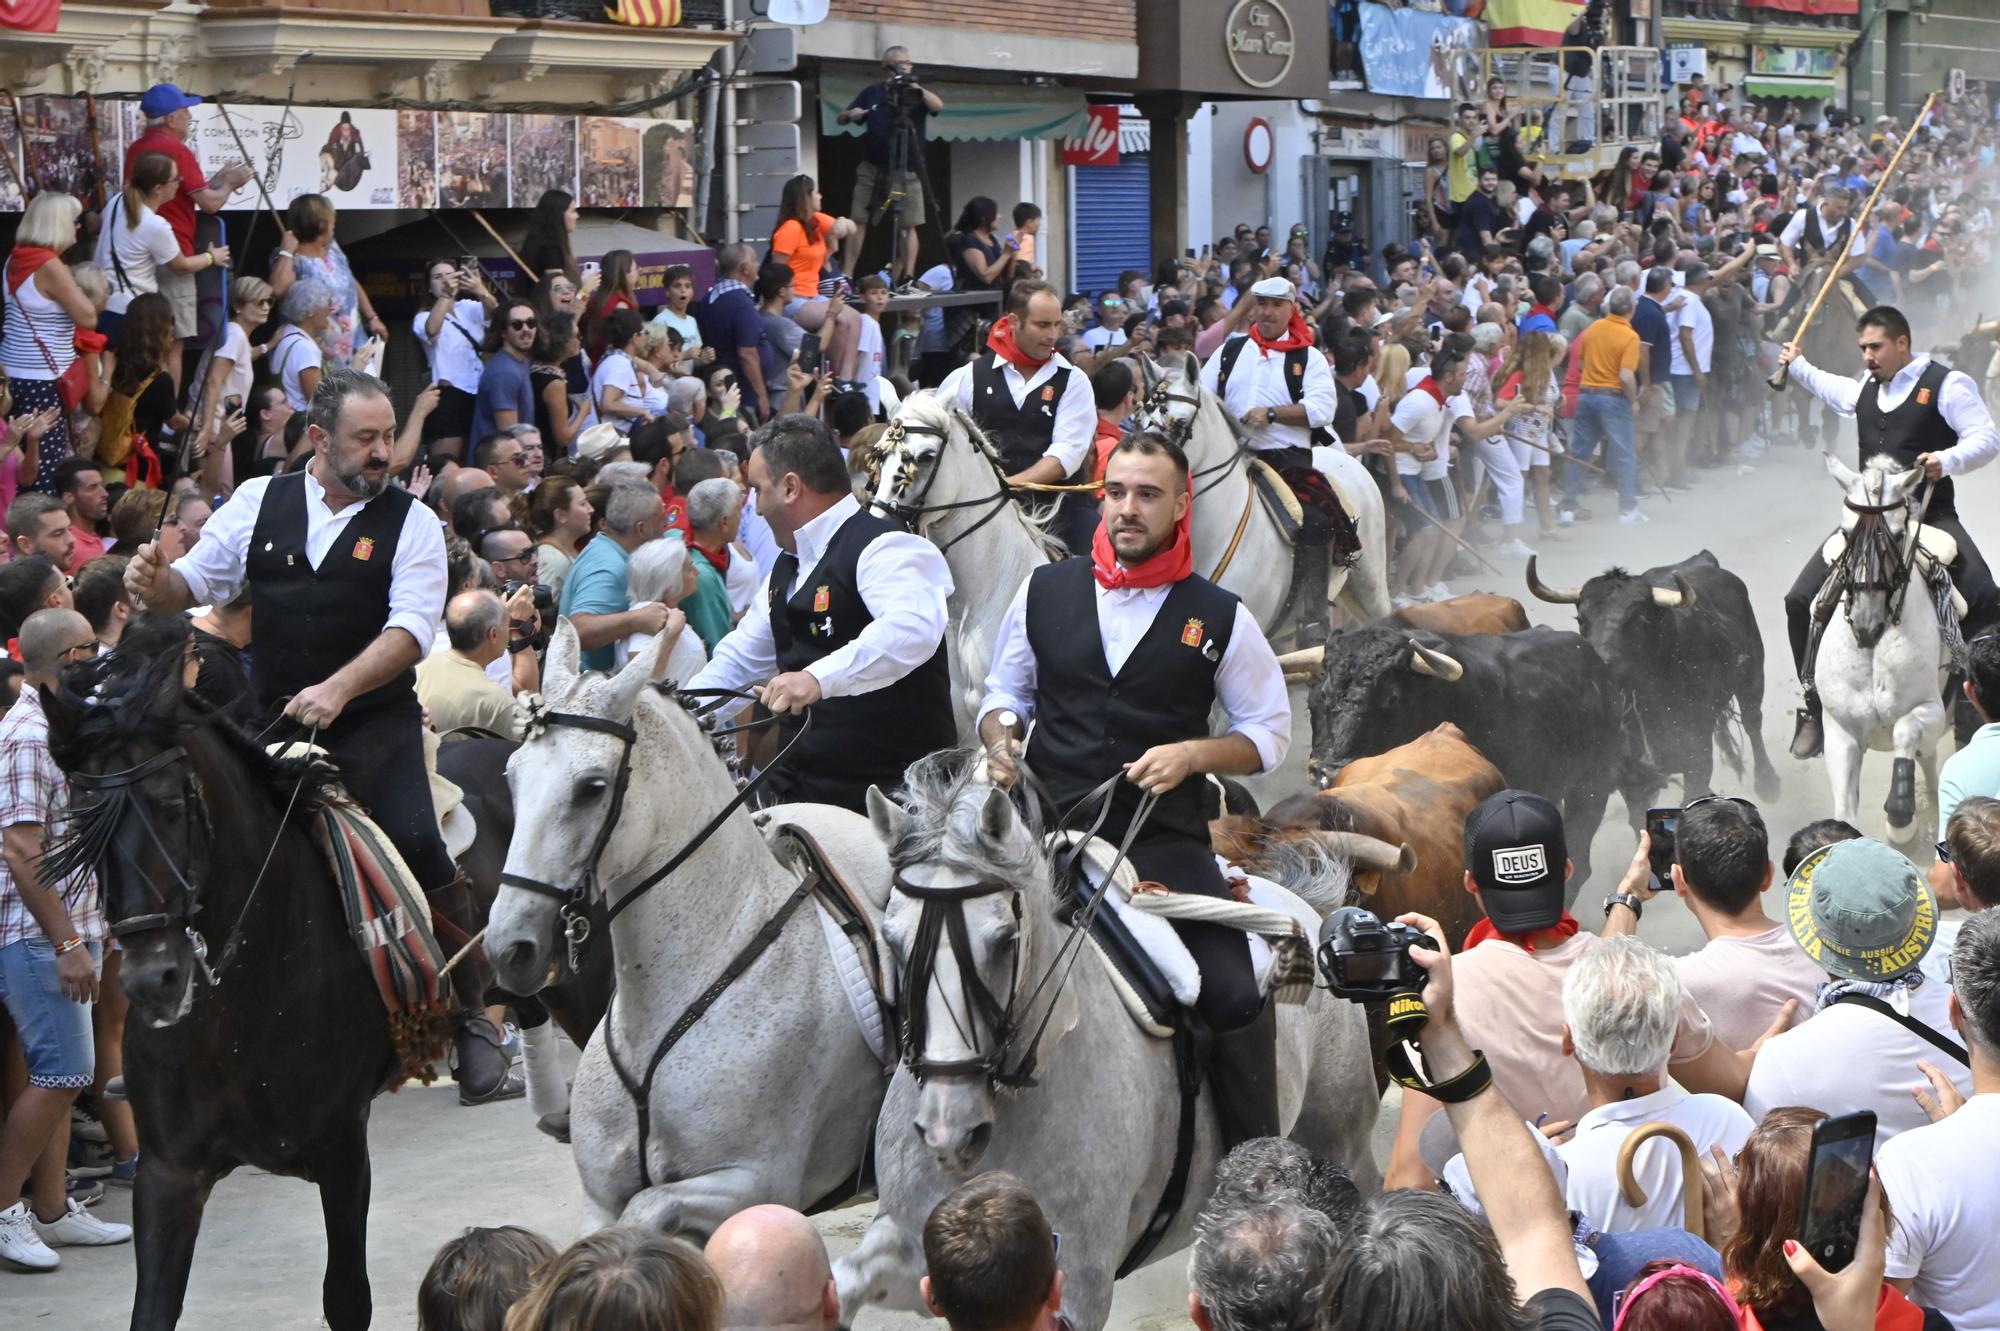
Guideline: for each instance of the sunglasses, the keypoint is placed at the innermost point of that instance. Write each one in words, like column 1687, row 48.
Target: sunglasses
column 1712, row 799
column 1944, row 852
column 521, row 323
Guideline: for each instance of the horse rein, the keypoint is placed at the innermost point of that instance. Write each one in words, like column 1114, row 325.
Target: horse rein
column 1180, row 431
column 1874, row 560
column 576, row 925
column 912, row 515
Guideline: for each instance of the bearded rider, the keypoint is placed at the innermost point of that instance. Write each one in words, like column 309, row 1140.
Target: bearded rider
column 1134, row 699
column 1922, row 413
column 1036, row 407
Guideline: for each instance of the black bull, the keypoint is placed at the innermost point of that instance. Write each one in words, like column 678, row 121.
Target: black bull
column 1538, row 704
column 1682, row 645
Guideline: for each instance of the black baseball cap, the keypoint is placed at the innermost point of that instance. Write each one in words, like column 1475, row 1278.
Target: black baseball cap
column 1515, row 852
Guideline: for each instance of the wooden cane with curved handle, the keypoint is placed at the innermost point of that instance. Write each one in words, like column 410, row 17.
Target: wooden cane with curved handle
column 1784, row 373
column 1693, row 1217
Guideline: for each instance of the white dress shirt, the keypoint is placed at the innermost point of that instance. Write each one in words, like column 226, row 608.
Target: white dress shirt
column 1959, row 400
column 1076, row 412
column 454, row 352
column 903, row 581
column 1249, row 683
column 1592, row 1155
column 216, row 568
column 1795, row 231
column 1258, row 380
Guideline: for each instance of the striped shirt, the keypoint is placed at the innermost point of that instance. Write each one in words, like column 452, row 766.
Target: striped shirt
column 30, row 314
column 34, row 790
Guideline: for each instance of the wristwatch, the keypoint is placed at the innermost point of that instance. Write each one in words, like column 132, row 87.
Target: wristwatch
column 1270, row 415
column 1627, row 900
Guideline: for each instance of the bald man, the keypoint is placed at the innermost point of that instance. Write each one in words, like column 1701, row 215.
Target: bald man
column 461, row 481
column 774, row 1271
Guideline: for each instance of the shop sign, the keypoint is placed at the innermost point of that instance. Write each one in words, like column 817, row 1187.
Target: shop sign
column 1098, row 144
column 1348, row 141
column 1815, row 62
column 1259, row 39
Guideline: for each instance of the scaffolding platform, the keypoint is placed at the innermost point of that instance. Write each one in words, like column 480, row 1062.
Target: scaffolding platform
column 1574, row 126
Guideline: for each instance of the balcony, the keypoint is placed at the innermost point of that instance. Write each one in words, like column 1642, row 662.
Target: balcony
column 1773, row 14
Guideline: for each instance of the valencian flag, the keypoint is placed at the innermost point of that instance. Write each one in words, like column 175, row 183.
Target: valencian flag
column 30, row 15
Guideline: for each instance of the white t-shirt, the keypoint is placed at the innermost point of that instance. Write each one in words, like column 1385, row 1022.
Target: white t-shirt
column 235, row 349
column 1421, row 419
column 617, row 371
column 1942, row 1182
column 1847, row 1058
column 1592, row 1155
column 1457, row 408
column 1097, row 337
column 291, row 354
column 454, row 353
column 1693, row 315
column 685, row 325
column 873, row 363
column 140, row 250
column 1741, row 983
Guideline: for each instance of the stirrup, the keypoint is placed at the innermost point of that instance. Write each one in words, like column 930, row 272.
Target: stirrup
column 1809, row 738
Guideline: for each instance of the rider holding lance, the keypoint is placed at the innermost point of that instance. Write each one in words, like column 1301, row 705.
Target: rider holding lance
column 850, row 623
column 1134, row 698
column 1036, row 407
column 1922, row 413
column 347, row 572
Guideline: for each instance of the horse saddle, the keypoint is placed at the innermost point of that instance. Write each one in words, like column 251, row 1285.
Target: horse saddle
column 1306, row 507
column 851, row 935
column 1149, row 967
column 1278, row 498
column 1936, row 547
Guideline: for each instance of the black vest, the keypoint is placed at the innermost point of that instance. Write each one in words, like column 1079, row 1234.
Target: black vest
column 1817, row 242
column 1089, row 722
column 1295, row 380
column 317, row 620
column 869, row 738
column 1021, row 432
column 1918, row 426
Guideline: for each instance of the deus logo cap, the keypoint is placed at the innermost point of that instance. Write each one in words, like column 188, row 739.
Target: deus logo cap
column 1515, row 852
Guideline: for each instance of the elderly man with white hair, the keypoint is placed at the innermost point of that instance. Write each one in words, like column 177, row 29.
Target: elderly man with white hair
column 1621, row 1005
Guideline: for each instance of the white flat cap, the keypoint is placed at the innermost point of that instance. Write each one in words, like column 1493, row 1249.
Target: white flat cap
column 1277, row 288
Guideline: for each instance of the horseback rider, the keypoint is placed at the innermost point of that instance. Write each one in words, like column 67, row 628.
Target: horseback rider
column 1283, row 398
column 1036, row 407
column 1817, row 230
column 851, row 623
column 348, row 575
column 1135, row 697
column 1922, row 413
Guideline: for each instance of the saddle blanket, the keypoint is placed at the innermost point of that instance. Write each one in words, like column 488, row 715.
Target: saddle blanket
column 390, row 921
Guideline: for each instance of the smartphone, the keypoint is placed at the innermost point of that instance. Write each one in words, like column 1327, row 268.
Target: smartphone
column 589, row 266
column 468, row 263
column 1660, row 826
column 231, row 405
column 809, row 353
column 1190, row 252
column 1843, row 1150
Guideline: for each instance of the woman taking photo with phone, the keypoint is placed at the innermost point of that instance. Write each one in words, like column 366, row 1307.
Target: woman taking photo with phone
column 617, row 290
column 803, row 237
column 451, row 331
column 225, row 375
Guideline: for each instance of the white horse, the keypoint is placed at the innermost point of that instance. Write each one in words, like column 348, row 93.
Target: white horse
column 1881, row 656
column 937, row 470
column 771, row 1095
column 1236, row 542
column 1093, row 1130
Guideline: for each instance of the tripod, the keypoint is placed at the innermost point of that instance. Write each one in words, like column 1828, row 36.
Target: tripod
column 905, row 161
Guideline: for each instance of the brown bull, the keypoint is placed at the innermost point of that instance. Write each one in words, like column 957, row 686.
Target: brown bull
column 1399, row 817
column 1480, row 612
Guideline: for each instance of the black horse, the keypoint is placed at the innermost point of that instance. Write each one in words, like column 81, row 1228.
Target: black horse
column 205, row 859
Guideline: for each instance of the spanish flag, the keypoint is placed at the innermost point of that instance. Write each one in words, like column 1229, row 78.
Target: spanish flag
column 30, row 15
column 1529, row 22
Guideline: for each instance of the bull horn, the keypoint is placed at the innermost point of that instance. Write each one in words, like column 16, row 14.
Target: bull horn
column 1683, row 599
column 1367, row 852
column 1553, row 595
column 1435, row 664
column 1305, row 661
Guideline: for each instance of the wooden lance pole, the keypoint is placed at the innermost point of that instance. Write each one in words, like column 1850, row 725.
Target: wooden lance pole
column 1777, row 381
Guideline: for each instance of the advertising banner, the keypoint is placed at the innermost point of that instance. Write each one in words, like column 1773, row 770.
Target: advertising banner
column 1412, row 53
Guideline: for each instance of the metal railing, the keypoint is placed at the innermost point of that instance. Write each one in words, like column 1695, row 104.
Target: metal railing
column 1578, row 124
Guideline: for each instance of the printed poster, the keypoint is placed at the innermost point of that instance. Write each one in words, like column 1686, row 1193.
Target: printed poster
column 472, row 159
column 541, row 156
column 416, row 159
column 611, row 150
column 60, row 155
column 669, row 164
column 1411, row 53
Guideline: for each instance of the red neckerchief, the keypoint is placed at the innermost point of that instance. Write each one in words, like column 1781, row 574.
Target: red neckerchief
column 1296, row 335
column 1429, row 385
column 1565, row 927
column 1106, row 439
column 25, row 262
column 1534, row 310
column 1001, row 340
column 1170, row 564
column 718, row 559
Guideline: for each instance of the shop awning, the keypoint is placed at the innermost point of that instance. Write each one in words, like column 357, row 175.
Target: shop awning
column 971, row 110
column 1770, row 85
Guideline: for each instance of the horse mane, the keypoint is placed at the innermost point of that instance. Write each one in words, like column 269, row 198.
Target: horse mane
column 944, row 822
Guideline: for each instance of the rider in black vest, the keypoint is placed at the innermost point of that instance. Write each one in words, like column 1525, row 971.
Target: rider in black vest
column 348, row 577
column 1936, row 419
column 1134, row 698
column 1815, row 236
column 851, row 624
column 1035, row 407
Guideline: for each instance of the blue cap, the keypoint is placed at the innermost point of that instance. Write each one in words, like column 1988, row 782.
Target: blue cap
column 163, row 99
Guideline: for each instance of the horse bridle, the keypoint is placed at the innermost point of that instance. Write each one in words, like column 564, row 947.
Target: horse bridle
column 912, row 515
column 1180, row 431
column 571, row 900
column 1874, row 560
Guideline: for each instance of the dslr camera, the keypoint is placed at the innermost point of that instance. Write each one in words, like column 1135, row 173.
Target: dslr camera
column 1367, row 960
column 545, row 604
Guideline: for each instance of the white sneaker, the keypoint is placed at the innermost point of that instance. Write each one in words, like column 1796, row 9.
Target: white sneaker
column 20, row 1244
column 1439, row 591
column 78, row 1228
column 1566, row 518
column 1517, row 549
column 1632, row 517
column 1403, row 602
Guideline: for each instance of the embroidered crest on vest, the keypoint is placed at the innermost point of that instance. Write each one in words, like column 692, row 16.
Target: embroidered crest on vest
column 1191, row 634
column 364, row 548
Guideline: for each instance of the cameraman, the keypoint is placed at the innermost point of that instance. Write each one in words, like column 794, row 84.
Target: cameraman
column 877, row 107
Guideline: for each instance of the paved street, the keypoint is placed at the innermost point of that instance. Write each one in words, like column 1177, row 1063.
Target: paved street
column 439, row 1168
